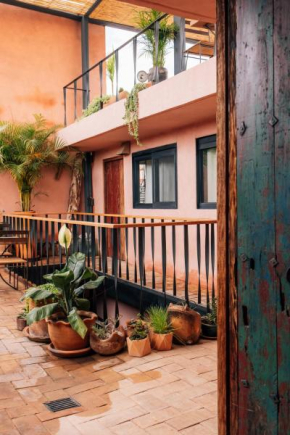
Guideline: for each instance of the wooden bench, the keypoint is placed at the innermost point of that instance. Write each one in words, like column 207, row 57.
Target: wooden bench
column 11, row 239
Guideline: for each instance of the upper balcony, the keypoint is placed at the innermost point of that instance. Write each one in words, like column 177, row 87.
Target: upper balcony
column 179, row 81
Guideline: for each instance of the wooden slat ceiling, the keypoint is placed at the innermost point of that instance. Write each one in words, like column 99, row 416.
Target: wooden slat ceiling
column 77, row 7
column 116, row 12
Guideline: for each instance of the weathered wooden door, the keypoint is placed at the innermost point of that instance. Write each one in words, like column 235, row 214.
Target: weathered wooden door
column 254, row 216
column 114, row 194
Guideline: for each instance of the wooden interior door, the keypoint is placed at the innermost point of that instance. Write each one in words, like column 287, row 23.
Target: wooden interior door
column 114, row 196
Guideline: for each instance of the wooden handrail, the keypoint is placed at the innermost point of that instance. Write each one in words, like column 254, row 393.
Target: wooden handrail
column 112, row 226
column 172, row 218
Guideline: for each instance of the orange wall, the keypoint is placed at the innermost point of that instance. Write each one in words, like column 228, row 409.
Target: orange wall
column 40, row 53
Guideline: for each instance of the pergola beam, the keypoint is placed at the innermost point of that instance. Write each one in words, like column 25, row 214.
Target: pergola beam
column 42, row 9
column 92, row 8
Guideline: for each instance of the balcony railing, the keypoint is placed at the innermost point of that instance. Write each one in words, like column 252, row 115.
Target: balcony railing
column 172, row 257
column 91, row 84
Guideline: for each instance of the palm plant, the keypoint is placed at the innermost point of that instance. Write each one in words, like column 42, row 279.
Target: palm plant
column 25, row 149
column 111, row 65
column 167, row 34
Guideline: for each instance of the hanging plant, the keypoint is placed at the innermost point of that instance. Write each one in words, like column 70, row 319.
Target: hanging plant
column 132, row 111
column 94, row 106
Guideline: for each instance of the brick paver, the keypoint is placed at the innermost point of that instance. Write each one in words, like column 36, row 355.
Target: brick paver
column 163, row 393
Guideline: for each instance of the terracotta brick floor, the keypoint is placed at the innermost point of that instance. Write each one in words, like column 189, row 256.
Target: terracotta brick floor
column 162, row 393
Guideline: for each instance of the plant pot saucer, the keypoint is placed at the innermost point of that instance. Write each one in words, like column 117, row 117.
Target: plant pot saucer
column 37, row 339
column 69, row 353
column 205, row 337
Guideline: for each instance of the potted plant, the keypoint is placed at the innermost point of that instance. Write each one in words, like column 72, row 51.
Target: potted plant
column 131, row 116
column 122, row 94
column 186, row 323
column 139, row 342
column 68, row 318
column 131, row 324
column 167, row 34
column 21, row 320
column 161, row 333
column 209, row 322
column 106, row 338
column 38, row 297
column 25, row 149
column 95, row 105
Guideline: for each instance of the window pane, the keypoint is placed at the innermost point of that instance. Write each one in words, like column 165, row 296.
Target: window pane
column 166, row 170
column 209, row 175
column 145, row 182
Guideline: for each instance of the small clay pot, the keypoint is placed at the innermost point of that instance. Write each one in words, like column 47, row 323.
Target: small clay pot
column 139, row 348
column 20, row 323
column 161, row 341
column 63, row 337
column 208, row 331
column 38, row 329
column 111, row 345
column 122, row 95
column 185, row 322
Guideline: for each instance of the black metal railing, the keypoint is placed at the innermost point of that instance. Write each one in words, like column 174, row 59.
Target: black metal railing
column 92, row 82
column 174, row 257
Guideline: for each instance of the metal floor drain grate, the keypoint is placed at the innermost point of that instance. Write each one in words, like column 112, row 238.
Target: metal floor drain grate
column 61, row 404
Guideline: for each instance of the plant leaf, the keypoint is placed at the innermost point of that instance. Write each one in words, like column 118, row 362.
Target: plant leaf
column 62, row 280
column 76, row 323
column 76, row 263
column 41, row 313
column 82, row 304
column 87, row 274
column 91, row 285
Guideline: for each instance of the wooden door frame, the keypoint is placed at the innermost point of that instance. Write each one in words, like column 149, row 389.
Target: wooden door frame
column 227, row 218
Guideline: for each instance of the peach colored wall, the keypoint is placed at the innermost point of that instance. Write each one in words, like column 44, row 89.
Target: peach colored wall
column 186, row 169
column 40, row 53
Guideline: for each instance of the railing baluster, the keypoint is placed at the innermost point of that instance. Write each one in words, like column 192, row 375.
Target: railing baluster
column 75, row 100
column 119, row 249
column 115, row 268
column 40, row 246
column 117, row 74
column 174, row 257
column 156, row 53
column 127, row 250
column 104, row 262
column 198, row 261
column 99, row 244
column 134, row 245
column 141, row 264
column 135, row 59
column 75, row 237
column 163, row 248
column 101, row 81
column 186, row 263
column 212, row 260
column 153, row 253
column 47, row 245
column 144, row 273
column 64, row 103
column 59, row 247
column 207, row 264
column 52, row 245
column 93, row 245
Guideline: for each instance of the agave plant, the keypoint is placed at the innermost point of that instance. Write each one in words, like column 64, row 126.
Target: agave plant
column 166, row 35
column 25, row 149
column 69, row 285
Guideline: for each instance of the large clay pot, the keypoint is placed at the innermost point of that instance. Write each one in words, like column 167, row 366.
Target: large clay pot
column 139, row 348
column 111, row 345
column 161, row 341
column 63, row 337
column 185, row 322
column 162, row 74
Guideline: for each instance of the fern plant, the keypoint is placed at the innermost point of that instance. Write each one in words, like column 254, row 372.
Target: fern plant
column 132, row 111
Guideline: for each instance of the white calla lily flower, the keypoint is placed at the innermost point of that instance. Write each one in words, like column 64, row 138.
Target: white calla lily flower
column 64, row 237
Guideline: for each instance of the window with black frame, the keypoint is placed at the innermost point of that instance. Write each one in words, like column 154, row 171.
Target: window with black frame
column 155, row 178
column 206, row 172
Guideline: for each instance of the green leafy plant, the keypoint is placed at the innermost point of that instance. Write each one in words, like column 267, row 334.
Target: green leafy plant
column 105, row 329
column 111, row 65
column 25, row 149
column 140, row 330
column 211, row 317
column 132, row 111
column 159, row 320
column 23, row 314
column 95, row 105
column 167, row 34
column 40, row 293
column 70, row 283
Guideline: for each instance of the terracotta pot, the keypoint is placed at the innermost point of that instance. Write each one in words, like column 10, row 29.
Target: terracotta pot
column 208, row 330
column 63, row 337
column 122, row 95
column 162, row 74
column 111, row 345
column 185, row 322
column 139, row 348
column 38, row 329
column 20, row 323
column 161, row 341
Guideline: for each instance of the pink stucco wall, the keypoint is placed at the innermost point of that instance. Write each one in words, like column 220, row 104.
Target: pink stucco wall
column 40, row 53
column 187, row 201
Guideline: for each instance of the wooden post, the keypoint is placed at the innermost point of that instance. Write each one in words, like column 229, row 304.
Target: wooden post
column 253, row 50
